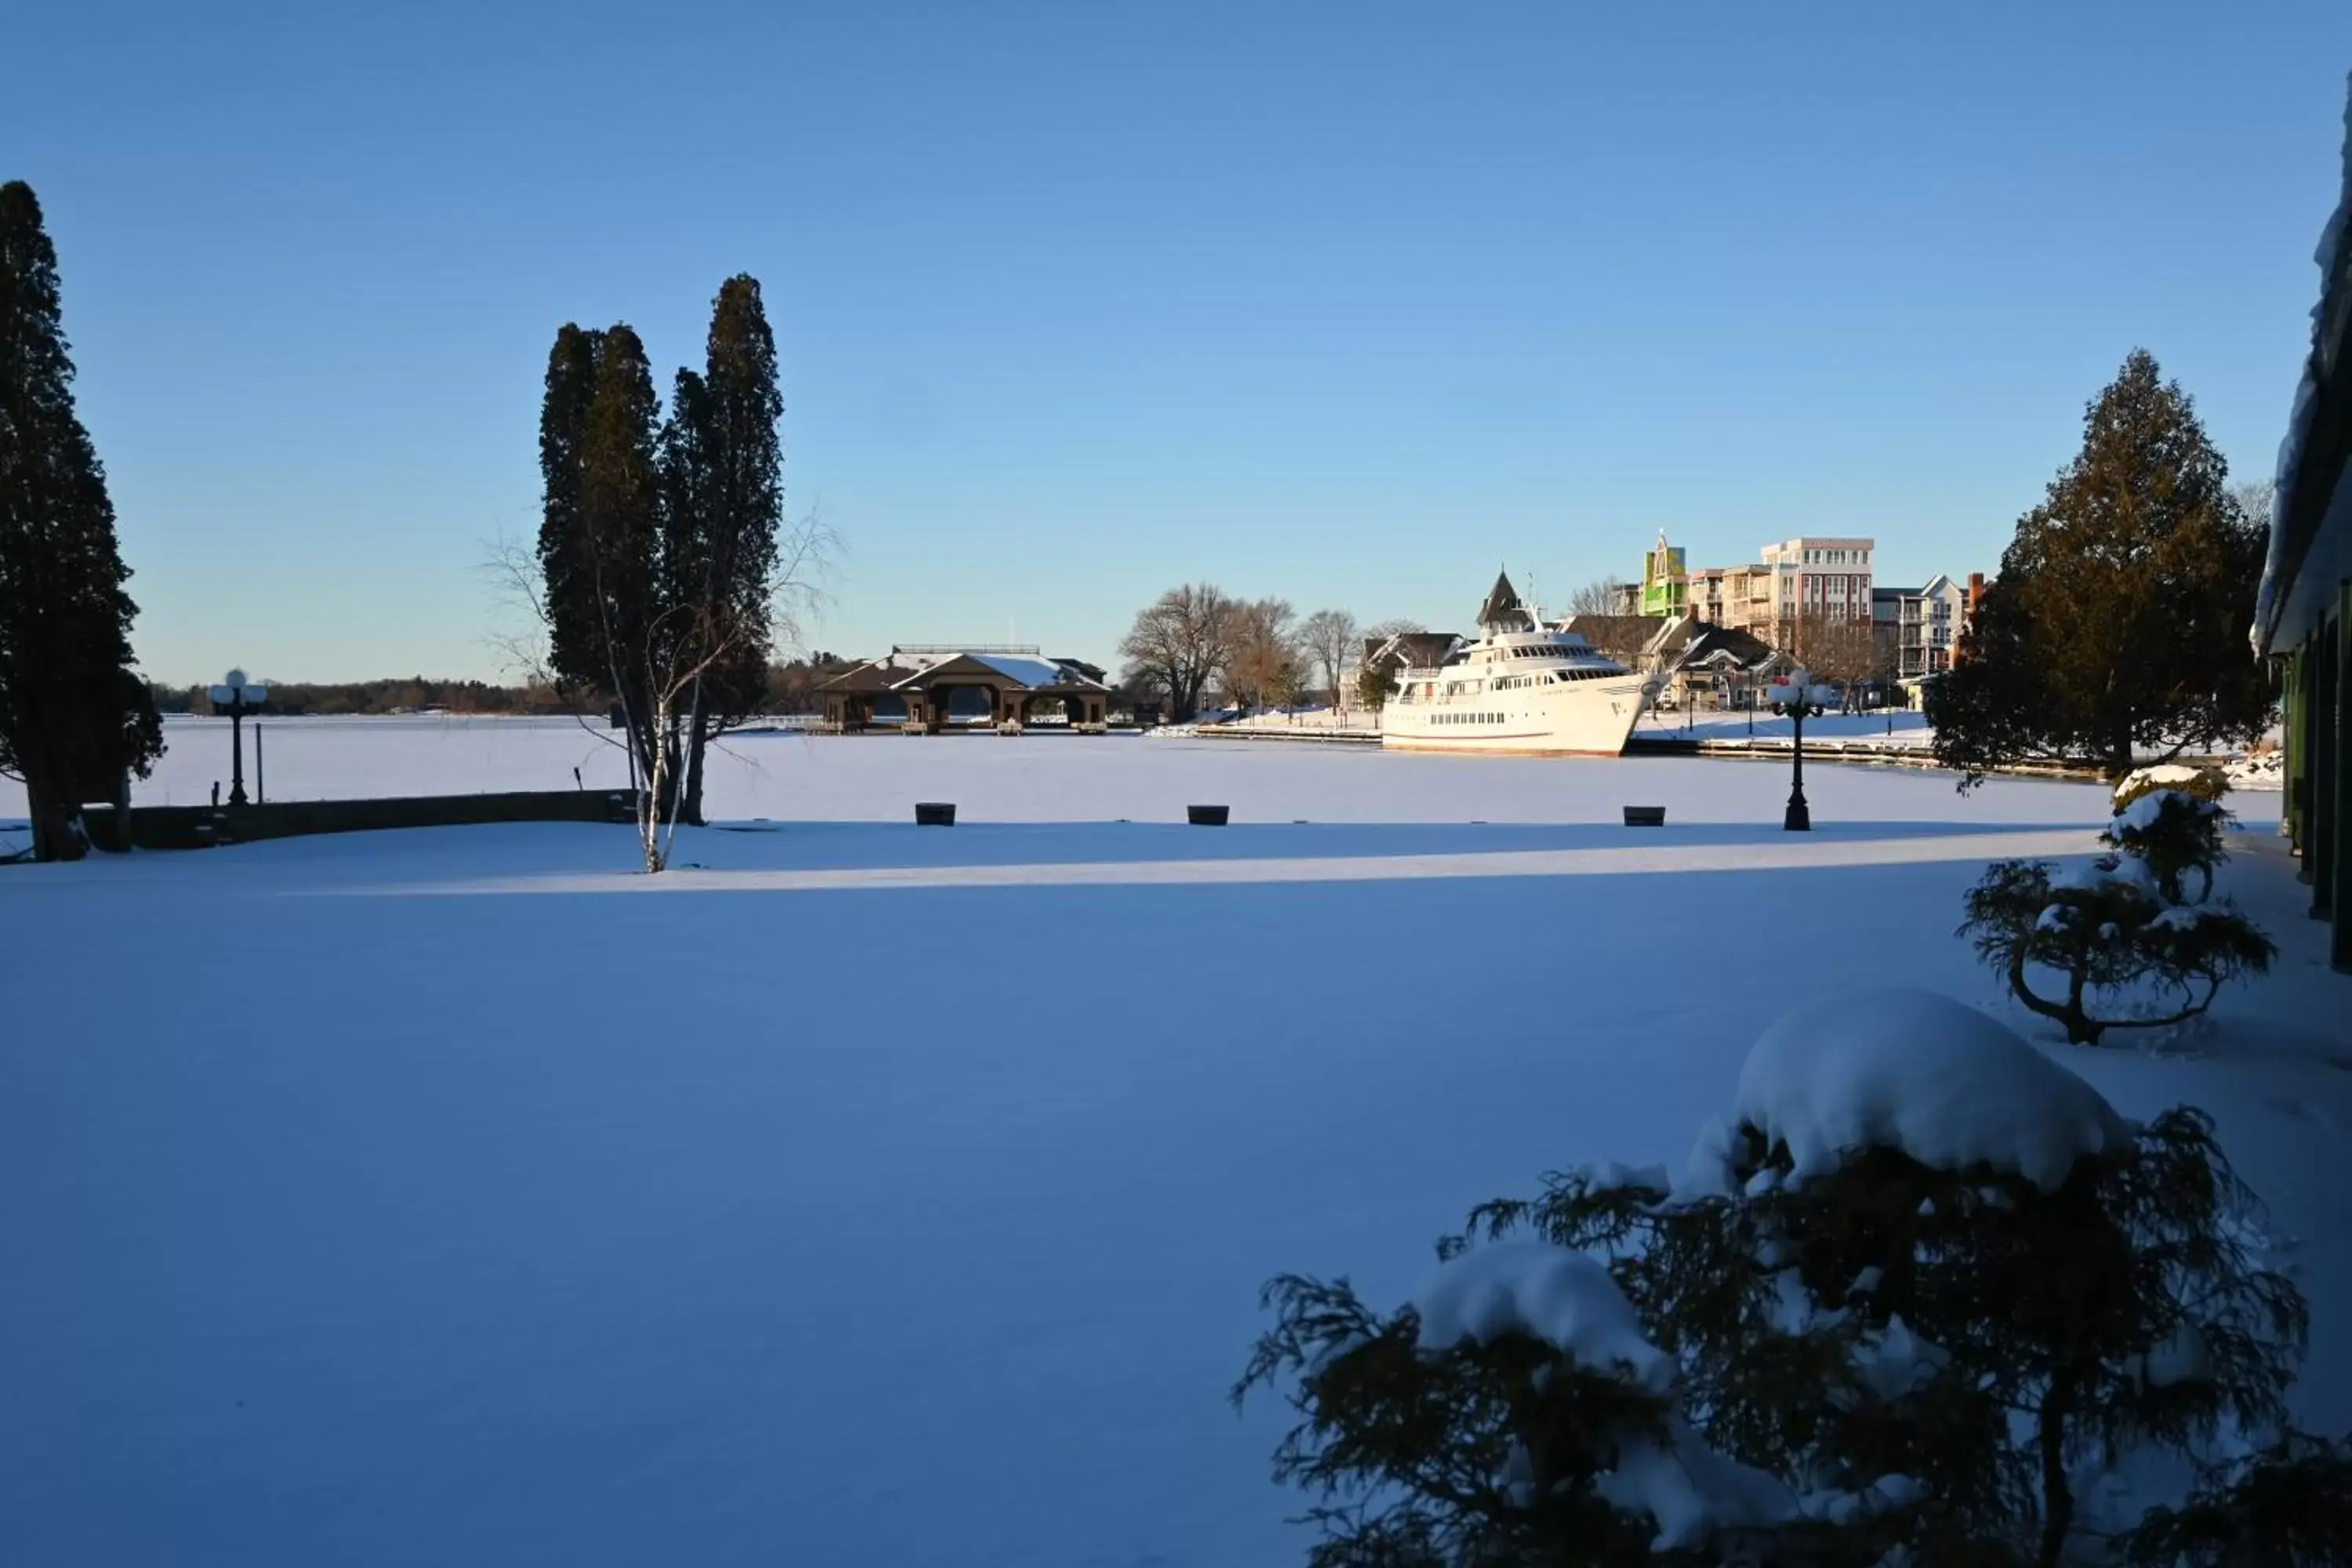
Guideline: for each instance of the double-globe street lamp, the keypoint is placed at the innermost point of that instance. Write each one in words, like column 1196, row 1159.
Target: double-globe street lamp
column 236, row 698
column 1797, row 699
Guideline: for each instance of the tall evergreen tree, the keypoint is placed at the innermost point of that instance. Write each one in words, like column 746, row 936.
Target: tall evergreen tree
column 75, row 716
column 2117, row 625
column 727, row 493
column 620, row 509
column 660, row 552
column 576, row 655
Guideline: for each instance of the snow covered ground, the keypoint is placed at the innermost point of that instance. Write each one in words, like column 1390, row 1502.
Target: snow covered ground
column 882, row 1195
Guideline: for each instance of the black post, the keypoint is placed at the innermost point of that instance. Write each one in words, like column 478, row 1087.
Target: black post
column 237, row 749
column 261, row 786
column 1799, row 818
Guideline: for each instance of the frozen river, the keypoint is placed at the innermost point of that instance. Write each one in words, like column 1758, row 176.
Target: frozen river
column 1041, row 777
column 880, row 1194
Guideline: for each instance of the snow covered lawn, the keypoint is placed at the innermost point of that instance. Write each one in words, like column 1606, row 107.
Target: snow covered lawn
column 892, row 1195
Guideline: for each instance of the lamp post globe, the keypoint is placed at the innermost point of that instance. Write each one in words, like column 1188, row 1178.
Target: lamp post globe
column 1802, row 701
column 237, row 697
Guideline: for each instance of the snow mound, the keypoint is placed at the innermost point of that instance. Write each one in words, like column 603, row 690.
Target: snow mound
column 2265, row 771
column 1689, row 1490
column 1901, row 1068
column 1708, row 1172
column 1895, row 1361
column 1546, row 1292
column 2127, row 871
column 2166, row 774
column 2142, row 812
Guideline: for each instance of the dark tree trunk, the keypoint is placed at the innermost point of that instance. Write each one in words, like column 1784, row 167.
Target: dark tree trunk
column 2057, row 1499
column 698, row 742
column 56, row 828
column 2081, row 1029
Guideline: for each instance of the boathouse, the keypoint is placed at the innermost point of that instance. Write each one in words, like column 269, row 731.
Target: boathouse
column 925, row 689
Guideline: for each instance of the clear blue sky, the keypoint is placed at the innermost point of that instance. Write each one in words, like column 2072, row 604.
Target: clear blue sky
column 1346, row 303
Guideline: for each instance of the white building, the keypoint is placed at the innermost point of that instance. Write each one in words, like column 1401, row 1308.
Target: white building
column 1916, row 627
column 1797, row 578
column 1820, row 576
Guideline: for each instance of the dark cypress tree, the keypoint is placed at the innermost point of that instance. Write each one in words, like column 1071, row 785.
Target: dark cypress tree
column 2118, row 623
column 727, row 527
column 620, row 507
column 576, row 655
column 660, row 552
column 75, row 716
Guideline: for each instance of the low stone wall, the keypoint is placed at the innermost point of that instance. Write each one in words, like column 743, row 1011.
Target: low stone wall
column 199, row 827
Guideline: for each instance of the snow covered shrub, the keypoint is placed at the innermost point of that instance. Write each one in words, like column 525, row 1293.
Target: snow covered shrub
column 1922, row 1282
column 2202, row 784
column 2174, row 832
column 2111, row 926
column 1513, row 1413
column 1926, row 1260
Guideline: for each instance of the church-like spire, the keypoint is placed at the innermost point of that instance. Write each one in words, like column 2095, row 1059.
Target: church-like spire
column 1502, row 602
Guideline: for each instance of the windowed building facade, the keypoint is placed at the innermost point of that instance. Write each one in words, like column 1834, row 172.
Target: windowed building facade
column 1917, row 628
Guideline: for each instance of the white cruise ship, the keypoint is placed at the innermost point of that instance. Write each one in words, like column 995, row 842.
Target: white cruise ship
column 1519, row 689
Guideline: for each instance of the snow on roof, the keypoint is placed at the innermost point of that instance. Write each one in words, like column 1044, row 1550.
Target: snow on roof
column 1909, row 1069
column 2332, row 238
column 1027, row 670
column 1546, row 1292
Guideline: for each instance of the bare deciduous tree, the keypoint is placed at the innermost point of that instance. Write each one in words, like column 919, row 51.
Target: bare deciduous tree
column 1601, row 597
column 1179, row 644
column 1841, row 648
column 1331, row 638
column 658, row 666
column 2257, row 499
column 1263, row 666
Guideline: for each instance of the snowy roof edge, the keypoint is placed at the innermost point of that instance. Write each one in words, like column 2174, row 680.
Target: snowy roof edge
column 2333, row 256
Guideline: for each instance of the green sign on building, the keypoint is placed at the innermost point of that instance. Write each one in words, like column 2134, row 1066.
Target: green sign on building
column 1666, row 586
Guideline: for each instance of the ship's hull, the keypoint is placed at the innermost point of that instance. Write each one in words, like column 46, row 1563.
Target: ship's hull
column 1580, row 719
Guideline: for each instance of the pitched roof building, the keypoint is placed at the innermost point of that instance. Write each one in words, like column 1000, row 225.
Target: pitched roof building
column 917, row 687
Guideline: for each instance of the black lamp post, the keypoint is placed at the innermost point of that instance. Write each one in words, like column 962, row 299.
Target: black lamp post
column 1796, row 706
column 236, row 698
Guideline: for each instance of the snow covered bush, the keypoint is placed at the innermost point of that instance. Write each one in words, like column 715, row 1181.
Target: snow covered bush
column 2123, row 921
column 2204, row 784
column 2173, row 832
column 1513, row 1412
column 1920, row 1287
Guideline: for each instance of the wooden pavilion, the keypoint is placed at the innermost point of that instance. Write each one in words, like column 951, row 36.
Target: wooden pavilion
column 914, row 689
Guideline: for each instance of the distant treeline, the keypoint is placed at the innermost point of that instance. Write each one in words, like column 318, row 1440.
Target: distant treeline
column 791, row 690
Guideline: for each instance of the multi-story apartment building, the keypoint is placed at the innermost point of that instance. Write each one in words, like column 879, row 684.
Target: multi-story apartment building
column 1797, row 578
column 1821, row 577
column 1917, row 628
